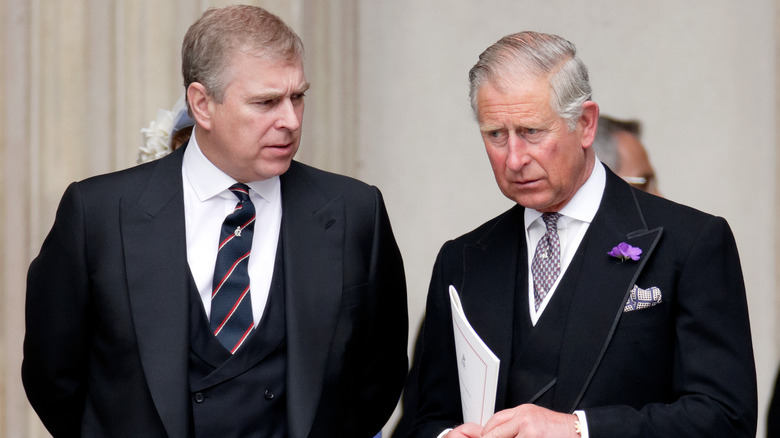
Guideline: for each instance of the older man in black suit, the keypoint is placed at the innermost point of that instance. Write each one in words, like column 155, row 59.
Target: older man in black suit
column 615, row 313
column 223, row 290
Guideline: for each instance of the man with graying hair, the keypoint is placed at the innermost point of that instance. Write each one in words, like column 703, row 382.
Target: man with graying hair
column 614, row 313
column 224, row 290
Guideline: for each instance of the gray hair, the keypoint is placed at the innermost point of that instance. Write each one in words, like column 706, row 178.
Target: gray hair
column 536, row 55
column 605, row 144
column 211, row 41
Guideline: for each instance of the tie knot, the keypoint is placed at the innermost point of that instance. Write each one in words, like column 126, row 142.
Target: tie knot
column 551, row 221
column 241, row 191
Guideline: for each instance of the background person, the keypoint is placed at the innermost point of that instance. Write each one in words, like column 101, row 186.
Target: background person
column 617, row 144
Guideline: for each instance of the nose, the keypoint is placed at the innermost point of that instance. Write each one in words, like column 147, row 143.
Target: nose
column 517, row 153
column 288, row 115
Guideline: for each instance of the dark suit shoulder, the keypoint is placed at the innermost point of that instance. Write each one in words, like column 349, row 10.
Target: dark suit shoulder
column 655, row 206
column 330, row 183
column 493, row 228
column 318, row 185
column 133, row 179
column 675, row 218
column 636, row 208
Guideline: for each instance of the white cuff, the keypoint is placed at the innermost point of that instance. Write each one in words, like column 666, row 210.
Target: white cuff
column 583, row 423
column 441, row 435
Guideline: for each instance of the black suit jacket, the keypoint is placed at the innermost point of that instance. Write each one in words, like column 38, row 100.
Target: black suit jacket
column 107, row 321
column 683, row 368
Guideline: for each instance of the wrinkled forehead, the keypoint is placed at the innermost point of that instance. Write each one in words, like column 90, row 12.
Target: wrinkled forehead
column 518, row 89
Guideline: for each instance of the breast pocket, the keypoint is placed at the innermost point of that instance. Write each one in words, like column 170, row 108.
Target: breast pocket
column 645, row 318
column 352, row 296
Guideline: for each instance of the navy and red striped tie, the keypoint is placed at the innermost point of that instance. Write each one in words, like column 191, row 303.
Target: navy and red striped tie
column 231, row 305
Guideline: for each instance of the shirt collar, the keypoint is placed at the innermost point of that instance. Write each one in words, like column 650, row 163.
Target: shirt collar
column 207, row 180
column 585, row 203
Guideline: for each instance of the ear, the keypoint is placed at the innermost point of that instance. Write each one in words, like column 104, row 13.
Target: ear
column 588, row 122
column 200, row 104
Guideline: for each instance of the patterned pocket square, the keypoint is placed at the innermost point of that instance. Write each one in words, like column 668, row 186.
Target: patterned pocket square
column 642, row 298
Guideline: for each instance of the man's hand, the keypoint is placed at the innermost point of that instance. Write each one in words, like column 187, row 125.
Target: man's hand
column 530, row 421
column 468, row 430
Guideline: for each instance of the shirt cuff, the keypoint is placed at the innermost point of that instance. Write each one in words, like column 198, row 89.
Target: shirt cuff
column 583, row 423
column 441, row 435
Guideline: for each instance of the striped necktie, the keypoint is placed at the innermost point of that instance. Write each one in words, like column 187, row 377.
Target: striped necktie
column 231, row 305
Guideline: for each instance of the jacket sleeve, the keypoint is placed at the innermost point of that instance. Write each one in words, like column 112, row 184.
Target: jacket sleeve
column 54, row 369
column 437, row 405
column 384, row 363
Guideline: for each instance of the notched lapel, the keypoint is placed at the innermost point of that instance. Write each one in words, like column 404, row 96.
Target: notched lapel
column 313, row 228
column 154, row 242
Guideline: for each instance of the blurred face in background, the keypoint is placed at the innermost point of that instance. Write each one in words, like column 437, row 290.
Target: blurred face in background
column 635, row 165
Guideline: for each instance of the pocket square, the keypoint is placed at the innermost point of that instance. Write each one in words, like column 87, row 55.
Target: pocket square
column 642, row 298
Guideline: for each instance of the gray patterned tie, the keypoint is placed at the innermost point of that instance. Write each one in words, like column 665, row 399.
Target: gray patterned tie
column 546, row 266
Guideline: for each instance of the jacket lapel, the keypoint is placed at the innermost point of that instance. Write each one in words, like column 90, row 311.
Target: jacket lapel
column 602, row 288
column 490, row 286
column 154, row 241
column 313, row 229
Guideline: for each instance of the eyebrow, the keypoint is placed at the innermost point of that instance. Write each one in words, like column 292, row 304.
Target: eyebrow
column 488, row 128
column 272, row 95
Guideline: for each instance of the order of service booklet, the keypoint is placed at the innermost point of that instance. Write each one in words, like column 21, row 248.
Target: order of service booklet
column 477, row 367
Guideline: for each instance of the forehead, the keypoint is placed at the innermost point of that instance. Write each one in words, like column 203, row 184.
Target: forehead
column 520, row 99
column 248, row 68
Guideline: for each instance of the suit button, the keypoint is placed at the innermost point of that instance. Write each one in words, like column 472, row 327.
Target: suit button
column 269, row 395
column 199, row 397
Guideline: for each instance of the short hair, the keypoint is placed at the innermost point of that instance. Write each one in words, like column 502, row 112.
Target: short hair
column 213, row 39
column 605, row 144
column 527, row 55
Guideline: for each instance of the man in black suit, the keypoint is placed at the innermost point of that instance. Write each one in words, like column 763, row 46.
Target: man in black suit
column 122, row 299
column 614, row 313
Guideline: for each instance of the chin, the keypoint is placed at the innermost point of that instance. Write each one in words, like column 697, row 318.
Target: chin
column 531, row 202
column 275, row 170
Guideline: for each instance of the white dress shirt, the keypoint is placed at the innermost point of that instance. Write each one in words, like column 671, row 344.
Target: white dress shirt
column 207, row 201
column 575, row 219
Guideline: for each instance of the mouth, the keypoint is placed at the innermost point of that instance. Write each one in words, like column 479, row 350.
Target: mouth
column 525, row 182
column 280, row 151
column 281, row 148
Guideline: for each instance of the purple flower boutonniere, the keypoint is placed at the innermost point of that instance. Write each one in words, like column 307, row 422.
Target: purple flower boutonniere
column 625, row 251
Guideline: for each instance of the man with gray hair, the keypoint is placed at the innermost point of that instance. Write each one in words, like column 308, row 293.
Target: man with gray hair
column 224, row 290
column 614, row 313
column 617, row 145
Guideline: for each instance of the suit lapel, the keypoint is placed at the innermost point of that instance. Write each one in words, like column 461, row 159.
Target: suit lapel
column 489, row 287
column 602, row 288
column 154, row 242
column 313, row 229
